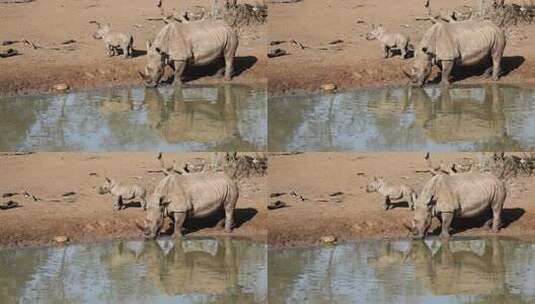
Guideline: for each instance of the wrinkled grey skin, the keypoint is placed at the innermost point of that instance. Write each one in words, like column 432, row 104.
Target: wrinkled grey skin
column 195, row 195
column 124, row 193
column 195, row 43
column 390, row 41
column 390, row 192
column 458, row 44
column 464, row 195
column 115, row 41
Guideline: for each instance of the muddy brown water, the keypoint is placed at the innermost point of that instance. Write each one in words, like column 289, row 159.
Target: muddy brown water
column 463, row 270
column 163, row 271
column 461, row 118
column 193, row 118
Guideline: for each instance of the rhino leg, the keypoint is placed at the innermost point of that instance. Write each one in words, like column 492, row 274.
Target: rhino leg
column 179, row 66
column 404, row 51
column 496, row 67
column 143, row 202
column 110, row 51
column 412, row 199
column 126, row 52
column 496, row 219
column 386, row 203
column 386, row 50
column 229, row 54
column 178, row 222
column 118, row 204
column 221, row 64
column 488, row 223
column 447, row 218
column 447, row 66
column 229, row 218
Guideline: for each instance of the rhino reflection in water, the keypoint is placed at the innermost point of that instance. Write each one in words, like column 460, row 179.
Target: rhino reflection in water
column 178, row 119
column 468, row 267
column 200, row 115
column 475, row 114
column 449, row 115
column 183, row 267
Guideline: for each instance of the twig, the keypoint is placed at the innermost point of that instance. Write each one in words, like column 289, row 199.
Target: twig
column 299, row 44
column 33, row 45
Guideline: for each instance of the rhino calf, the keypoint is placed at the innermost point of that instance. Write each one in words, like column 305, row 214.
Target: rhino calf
column 123, row 193
column 195, row 195
column 390, row 41
column 392, row 192
column 190, row 44
column 115, row 41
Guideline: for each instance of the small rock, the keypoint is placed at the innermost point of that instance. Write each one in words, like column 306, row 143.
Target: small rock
column 328, row 87
column 277, row 52
column 328, row 239
column 61, row 87
column 276, row 205
column 61, row 239
column 9, row 205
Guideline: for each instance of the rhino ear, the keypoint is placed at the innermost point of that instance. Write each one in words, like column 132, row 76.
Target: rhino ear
column 108, row 179
column 163, row 202
column 148, row 44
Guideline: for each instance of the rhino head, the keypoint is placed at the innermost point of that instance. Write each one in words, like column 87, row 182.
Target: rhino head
column 154, row 219
column 375, row 33
column 421, row 68
column 154, row 68
column 422, row 221
column 101, row 31
column 105, row 188
column 374, row 186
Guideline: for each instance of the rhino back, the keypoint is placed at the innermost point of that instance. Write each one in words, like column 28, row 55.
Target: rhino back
column 475, row 191
column 199, row 42
column 207, row 192
column 476, row 39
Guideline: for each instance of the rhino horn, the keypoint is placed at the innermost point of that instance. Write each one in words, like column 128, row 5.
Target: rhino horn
column 143, row 76
column 411, row 229
column 140, row 227
column 409, row 75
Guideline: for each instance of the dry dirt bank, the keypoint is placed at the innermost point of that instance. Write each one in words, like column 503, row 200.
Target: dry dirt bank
column 358, row 62
column 49, row 23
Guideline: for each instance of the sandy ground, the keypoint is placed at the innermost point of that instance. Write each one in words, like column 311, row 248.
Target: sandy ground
column 359, row 214
column 91, row 217
column 48, row 23
column 359, row 62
